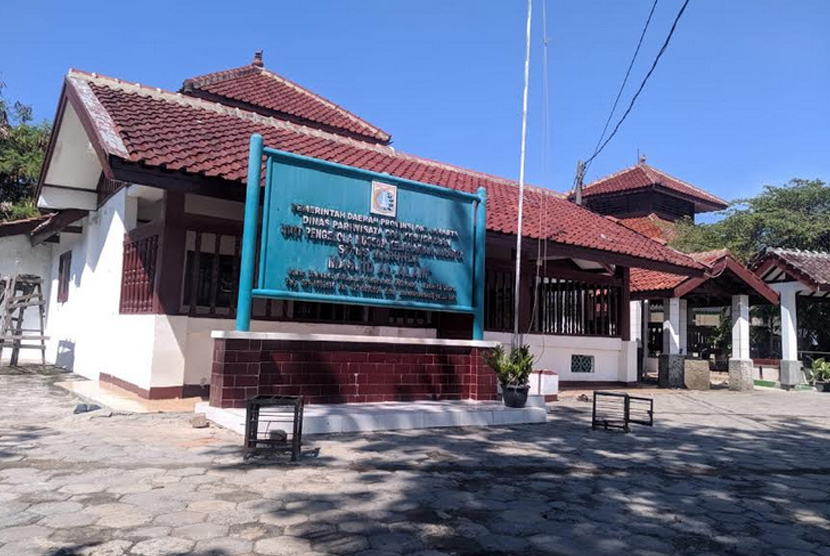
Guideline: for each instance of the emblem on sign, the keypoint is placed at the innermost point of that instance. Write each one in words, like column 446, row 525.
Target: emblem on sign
column 384, row 199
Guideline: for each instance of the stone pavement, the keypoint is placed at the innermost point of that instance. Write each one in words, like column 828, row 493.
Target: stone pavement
column 721, row 473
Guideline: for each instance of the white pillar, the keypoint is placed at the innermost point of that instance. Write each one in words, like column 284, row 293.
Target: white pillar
column 684, row 327
column 791, row 372
column 789, row 325
column 671, row 326
column 644, row 333
column 636, row 322
column 740, row 327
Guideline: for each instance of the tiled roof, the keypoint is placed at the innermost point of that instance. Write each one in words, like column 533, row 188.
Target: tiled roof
column 178, row 132
column 648, row 280
column 652, row 226
column 717, row 262
column 259, row 88
column 642, row 176
column 811, row 266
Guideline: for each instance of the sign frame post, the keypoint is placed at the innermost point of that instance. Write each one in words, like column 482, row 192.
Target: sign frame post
column 480, row 243
column 249, row 235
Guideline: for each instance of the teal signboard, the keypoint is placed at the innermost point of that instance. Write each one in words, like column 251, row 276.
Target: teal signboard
column 339, row 234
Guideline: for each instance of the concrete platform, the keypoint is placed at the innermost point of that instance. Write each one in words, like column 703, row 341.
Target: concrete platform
column 366, row 417
column 118, row 399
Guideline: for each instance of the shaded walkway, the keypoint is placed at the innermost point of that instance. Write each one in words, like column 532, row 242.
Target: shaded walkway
column 722, row 472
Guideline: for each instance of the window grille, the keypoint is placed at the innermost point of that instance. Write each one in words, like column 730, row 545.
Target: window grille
column 582, row 363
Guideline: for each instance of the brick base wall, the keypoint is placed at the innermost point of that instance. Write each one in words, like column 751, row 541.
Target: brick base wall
column 347, row 372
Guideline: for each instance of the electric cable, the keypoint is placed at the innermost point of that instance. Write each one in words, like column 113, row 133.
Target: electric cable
column 625, row 79
column 642, row 85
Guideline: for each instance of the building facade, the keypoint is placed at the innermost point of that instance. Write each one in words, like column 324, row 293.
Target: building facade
column 145, row 188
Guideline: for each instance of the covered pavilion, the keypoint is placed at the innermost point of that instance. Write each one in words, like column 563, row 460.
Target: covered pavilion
column 794, row 274
column 726, row 282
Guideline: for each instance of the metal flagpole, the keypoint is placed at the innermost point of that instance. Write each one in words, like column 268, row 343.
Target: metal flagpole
column 517, row 288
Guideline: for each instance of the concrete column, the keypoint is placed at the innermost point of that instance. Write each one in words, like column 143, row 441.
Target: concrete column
column 740, row 364
column 636, row 322
column 740, row 327
column 628, row 355
column 645, row 314
column 670, row 369
column 671, row 326
column 791, row 372
column 684, row 327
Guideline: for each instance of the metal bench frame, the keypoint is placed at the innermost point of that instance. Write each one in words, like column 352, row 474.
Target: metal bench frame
column 255, row 443
column 641, row 415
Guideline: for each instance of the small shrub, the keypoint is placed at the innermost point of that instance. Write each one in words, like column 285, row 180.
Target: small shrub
column 820, row 371
column 513, row 369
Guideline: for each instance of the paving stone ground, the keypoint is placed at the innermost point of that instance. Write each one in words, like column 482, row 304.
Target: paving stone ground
column 720, row 473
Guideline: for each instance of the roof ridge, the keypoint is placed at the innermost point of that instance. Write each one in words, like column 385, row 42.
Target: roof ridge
column 648, row 169
column 219, row 108
column 348, row 113
column 243, row 71
column 796, row 251
column 215, row 77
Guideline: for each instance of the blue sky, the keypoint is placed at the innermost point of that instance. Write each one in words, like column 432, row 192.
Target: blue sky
column 740, row 99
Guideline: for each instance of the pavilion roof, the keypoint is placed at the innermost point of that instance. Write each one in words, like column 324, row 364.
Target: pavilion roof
column 812, row 268
column 646, row 284
column 643, row 176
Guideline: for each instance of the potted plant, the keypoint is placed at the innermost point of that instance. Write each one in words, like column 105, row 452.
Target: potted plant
column 820, row 374
column 513, row 370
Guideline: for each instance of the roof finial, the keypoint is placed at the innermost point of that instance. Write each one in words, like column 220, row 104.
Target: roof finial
column 643, row 158
column 257, row 59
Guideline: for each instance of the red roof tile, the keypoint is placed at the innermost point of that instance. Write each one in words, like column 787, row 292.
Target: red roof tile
column 648, row 280
column 652, row 226
column 258, row 88
column 177, row 132
column 643, row 176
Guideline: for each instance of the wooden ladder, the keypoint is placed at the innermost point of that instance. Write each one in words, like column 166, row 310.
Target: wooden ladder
column 18, row 293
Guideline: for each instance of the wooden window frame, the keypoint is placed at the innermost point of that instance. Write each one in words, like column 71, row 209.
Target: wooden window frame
column 64, row 275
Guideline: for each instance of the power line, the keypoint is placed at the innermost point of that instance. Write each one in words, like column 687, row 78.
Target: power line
column 625, row 79
column 642, row 85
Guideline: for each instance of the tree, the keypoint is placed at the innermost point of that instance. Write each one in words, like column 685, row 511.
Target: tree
column 794, row 216
column 22, row 146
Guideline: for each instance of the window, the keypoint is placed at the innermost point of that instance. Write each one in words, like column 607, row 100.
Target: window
column 576, row 308
column 225, row 279
column 64, row 266
column 582, row 363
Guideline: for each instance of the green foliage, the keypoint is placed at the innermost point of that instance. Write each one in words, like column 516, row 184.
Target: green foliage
column 795, row 216
column 820, row 371
column 22, row 145
column 26, row 208
column 513, row 369
column 722, row 338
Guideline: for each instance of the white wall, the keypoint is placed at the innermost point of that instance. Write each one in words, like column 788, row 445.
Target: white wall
column 18, row 256
column 87, row 333
column 614, row 359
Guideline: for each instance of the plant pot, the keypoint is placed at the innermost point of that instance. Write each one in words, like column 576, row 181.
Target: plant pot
column 515, row 396
column 822, row 386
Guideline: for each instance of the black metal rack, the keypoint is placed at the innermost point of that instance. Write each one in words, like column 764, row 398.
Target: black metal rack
column 618, row 410
column 259, row 438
